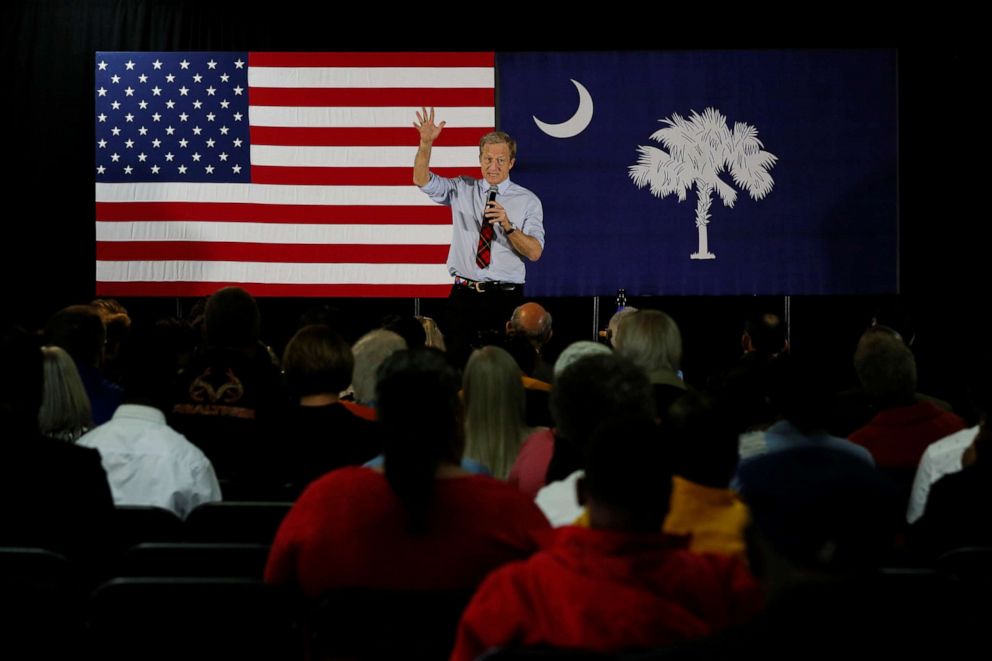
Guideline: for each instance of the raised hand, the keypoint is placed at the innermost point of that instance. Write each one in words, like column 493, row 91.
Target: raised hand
column 429, row 131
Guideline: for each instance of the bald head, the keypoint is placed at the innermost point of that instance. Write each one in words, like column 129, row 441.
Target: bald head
column 532, row 321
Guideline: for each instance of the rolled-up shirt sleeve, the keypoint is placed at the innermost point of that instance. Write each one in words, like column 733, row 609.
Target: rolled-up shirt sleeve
column 439, row 189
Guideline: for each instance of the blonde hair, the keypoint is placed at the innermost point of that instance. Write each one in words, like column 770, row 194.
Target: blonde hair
column 494, row 410
column 650, row 339
column 65, row 408
column 435, row 338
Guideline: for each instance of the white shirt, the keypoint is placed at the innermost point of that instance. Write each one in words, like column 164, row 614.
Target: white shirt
column 560, row 500
column 941, row 458
column 149, row 463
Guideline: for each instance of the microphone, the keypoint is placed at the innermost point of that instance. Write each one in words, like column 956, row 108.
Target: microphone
column 492, row 198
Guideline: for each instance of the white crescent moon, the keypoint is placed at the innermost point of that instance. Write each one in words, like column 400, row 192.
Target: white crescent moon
column 579, row 121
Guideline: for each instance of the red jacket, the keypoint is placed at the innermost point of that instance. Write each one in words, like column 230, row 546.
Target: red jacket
column 604, row 591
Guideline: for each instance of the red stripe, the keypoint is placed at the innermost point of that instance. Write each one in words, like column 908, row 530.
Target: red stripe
column 295, row 253
column 272, row 174
column 263, row 59
column 360, row 137
column 379, row 96
column 271, row 213
column 123, row 289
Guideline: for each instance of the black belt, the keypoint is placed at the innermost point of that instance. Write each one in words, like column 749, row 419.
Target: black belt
column 484, row 286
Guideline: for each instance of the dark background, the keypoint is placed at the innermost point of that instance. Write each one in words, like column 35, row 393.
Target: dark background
column 47, row 119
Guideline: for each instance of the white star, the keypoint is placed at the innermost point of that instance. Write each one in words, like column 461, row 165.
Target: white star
column 156, row 117
column 224, row 130
column 101, row 117
column 197, row 130
column 211, row 64
column 142, row 157
column 170, row 78
column 183, row 91
column 115, row 79
column 115, row 131
column 157, row 64
column 170, row 104
column 209, row 169
column 102, row 65
column 237, row 169
column 224, row 104
column 223, row 156
column 154, row 169
column 169, row 157
column 210, row 142
column 115, row 157
column 197, row 104
column 129, row 91
column 224, row 77
column 127, row 169
column 100, row 169
column 129, row 65
column 211, row 91
column 103, row 144
column 183, row 117
column 237, row 143
column 169, row 130
column 156, row 143
column 116, row 105
column 143, row 105
column 156, row 91
column 183, row 142
column 142, row 78
column 210, row 116
column 196, row 157
column 182, row 169
column 129, row 143
column 237, row 117
column 102, row 91
column 239, row 64
column 184, row 64
column 129, row 117
column 238, row 90
column 197, row 78
column 143, row 131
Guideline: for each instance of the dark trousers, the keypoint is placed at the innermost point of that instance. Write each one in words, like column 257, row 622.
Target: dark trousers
column 472, row 315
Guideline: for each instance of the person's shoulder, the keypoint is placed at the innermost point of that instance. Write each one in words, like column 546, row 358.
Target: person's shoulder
column 517, row 189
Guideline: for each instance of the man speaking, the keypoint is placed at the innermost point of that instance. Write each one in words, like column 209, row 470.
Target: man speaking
column 496, row 225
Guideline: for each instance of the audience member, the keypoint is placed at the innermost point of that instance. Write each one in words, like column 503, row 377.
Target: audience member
column 65, row 408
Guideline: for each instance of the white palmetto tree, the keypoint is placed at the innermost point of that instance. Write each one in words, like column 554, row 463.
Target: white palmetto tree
column 701, row 148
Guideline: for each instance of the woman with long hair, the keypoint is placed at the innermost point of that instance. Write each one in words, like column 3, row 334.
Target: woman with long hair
column 494, row 410
column 65, row 413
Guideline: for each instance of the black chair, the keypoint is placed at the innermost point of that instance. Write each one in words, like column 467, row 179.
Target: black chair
column 40, row 605
column 367, row 624
column 196, row 560
column 136, row 524
column 241, row 522
column 192, row 618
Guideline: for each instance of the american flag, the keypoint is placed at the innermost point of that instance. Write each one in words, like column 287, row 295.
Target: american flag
column 287, row 173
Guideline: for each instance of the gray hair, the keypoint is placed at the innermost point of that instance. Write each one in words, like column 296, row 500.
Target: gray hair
column 370, row 351
column 650, row 339
column 575, row 351
column 65, row 412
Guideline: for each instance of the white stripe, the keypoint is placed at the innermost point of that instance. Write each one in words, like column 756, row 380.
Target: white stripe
column 274, row 233
column 372, row 77
column 361, row 157
column 272, row 273
column 359, row 117
column 264, row 194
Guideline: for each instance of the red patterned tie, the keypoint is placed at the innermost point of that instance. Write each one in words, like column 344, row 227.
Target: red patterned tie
column 483, row 254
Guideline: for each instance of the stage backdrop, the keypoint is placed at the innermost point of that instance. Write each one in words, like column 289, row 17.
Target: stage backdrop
column 666, row 173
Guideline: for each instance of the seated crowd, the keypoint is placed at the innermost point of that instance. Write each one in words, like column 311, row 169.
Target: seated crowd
column 595, row 502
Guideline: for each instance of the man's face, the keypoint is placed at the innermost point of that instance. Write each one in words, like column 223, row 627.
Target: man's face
column 496, row 162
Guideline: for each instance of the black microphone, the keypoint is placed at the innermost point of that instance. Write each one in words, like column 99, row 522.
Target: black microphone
column 492, row 198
